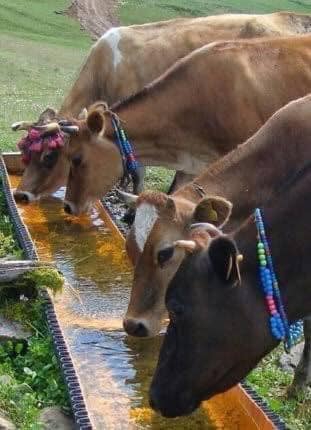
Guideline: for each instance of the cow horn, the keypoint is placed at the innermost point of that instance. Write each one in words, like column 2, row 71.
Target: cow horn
column 49, row 128
column 187, row 245
column 230, row 266
column 128, row 198
column 21, row 125
column 208, row 227
column 70, row 129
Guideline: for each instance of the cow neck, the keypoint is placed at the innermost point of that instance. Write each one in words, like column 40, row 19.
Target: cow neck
column 145, row 122
column 87, row 88
column 155, row 124
column 280, row 327
column 287, row 228
column 251, row 174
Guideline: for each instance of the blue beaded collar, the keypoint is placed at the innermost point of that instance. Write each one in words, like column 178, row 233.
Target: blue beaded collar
column 279, row 326
column 130, row 163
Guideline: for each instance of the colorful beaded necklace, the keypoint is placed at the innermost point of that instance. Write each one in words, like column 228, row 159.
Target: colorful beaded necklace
column 279, row 325
column 125, row 147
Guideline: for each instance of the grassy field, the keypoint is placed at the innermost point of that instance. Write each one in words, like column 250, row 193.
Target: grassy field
column 140, row 11
column 42, row 51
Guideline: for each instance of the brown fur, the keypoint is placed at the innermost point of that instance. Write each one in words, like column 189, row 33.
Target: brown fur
column 184, row 122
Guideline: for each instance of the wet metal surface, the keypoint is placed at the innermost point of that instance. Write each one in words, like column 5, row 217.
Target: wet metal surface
column 114, row 370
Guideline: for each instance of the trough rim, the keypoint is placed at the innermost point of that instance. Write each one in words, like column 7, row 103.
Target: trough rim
column 78, row 406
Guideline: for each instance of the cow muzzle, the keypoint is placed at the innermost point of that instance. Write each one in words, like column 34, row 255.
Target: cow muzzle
column 72, row 209
column 24, row 196
column 136, row 327
column 171, row 403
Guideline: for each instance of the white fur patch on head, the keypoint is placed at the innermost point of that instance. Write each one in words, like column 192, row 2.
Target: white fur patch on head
column 113, row 37
column 145, row 218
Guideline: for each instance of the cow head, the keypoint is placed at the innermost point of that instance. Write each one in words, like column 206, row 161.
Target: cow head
column 157, row 242
column 218, row 329
column 95, row 161
column 46, row 165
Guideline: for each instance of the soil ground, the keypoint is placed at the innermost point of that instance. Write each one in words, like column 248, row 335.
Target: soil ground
column 95, row 16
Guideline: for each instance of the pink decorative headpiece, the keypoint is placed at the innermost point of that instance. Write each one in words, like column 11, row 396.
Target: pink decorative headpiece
column 34, row 142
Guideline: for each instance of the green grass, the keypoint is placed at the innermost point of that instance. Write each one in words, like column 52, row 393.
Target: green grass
column 41, row 53
column 140, row 11
column 8, row 243
column 271, row 382
column 36, row 20
column 36, row 381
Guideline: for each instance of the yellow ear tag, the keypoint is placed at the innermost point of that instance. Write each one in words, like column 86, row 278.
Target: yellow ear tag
column 211, row 213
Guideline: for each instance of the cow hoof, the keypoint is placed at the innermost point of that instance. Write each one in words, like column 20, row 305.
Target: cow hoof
column 300, row 385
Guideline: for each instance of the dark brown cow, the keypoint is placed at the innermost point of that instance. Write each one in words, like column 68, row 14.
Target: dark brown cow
column 204, row 106
column 219, row 323
column 124, row 59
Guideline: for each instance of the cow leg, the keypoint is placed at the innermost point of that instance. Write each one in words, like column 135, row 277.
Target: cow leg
column 302, row 377
column 138, row 186
column 180, row 179
column 138, row 179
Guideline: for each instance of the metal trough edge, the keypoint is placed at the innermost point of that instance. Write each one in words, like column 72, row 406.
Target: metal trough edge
column 77, row 401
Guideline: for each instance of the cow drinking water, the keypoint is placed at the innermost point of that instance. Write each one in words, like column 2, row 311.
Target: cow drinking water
column 219, row 322
column 200, row 109
column 249, row 176
column 123, row 60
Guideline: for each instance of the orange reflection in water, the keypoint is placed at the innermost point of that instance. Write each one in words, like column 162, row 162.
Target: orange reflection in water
column 115, row 370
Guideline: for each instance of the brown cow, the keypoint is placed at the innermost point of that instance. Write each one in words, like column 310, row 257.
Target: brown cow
column 126, row 58
column 249, row 176
column 200, row 109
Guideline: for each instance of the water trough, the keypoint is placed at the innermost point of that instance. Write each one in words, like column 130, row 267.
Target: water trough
column 107, row 373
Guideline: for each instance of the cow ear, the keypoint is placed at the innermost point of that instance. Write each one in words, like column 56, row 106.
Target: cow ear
column 225, row 260
column 215, row 210
column 96, row 122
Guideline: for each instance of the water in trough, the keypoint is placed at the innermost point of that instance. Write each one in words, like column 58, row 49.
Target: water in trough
column 114, row 369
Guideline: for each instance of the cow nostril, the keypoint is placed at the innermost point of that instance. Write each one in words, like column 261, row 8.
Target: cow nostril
column 21, row 197
column 135, row 328
column 67, row 208
column 141, row 330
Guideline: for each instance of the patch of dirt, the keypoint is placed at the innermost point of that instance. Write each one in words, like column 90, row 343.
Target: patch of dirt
column 95, row 16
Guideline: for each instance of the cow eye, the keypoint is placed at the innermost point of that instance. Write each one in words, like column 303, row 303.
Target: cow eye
column 49, row 159
column 76, row 160
column 165, row 254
